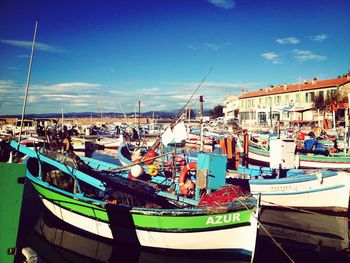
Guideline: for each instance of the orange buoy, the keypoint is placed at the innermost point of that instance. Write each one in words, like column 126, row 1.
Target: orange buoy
column 185, row 187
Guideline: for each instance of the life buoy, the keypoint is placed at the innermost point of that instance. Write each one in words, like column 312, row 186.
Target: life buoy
column 184, row 187
column 153, row 169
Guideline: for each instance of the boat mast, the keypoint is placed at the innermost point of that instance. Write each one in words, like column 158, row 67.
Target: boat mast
column 138, row 124
column 28, row 81
column 201, row 123
column 62, row 119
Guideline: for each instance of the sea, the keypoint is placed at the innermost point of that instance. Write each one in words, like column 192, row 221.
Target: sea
column 283, row 236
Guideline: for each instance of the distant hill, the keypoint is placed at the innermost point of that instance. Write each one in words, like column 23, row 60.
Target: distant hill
column 149, row 114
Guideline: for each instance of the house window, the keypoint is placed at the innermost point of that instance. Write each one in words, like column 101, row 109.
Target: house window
column 312, row 96
column 275, row 115
column 287, row 99
column 262, row 117
column 278, row 99
column 244, row 115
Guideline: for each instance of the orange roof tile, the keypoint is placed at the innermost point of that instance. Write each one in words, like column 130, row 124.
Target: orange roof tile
column 296, row 87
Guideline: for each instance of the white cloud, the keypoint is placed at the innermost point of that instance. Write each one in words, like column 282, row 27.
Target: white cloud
column 111, row 70
column 272, row 57
column 28, row 44
column 74, row 86
column 83, row 96
column 288, row 40
column 305, row 55
column 209, row 46
column 319, row 38
column 225, row 4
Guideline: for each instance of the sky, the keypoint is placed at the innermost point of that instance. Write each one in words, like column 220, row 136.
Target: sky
column 106, row 56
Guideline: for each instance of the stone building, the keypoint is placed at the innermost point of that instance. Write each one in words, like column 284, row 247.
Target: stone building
column 290, row 103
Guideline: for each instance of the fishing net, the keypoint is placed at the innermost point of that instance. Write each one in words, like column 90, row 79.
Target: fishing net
column 223, row 197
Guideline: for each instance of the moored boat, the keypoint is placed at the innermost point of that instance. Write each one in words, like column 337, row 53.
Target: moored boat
column 312, row 190
column 284, row 186
column 303, row 160
column 138, row 212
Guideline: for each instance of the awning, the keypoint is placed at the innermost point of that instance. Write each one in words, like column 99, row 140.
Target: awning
column 297, row 109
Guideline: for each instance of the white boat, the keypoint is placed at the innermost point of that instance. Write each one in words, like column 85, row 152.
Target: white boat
column 307, row 189
column 82, row 144
column 298, row 188
column 108, row 142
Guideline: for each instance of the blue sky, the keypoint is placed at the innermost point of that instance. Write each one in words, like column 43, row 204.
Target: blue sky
column 110, row 54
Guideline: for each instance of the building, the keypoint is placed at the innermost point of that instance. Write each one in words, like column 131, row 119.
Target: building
column 288, row 103
column 230, row 108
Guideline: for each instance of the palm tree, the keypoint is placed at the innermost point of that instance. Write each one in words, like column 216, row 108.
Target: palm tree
column 320, row 104
column 330, row 103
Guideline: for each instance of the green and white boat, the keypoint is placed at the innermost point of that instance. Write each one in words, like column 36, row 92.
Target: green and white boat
column 107, row 204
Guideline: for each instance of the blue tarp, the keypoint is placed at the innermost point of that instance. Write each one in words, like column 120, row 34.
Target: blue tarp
column 309, row 144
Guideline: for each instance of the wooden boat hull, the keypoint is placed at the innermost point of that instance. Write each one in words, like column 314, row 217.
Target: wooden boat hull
column 320, row 190
column 336, row 161
column 109, row 143
column 179, row 228
column 234, row 232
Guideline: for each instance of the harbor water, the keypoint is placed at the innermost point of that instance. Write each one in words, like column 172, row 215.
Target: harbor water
column 284, row 236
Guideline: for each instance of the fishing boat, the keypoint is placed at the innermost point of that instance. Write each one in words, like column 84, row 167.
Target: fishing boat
column 337, row 160
column 66, row 244
column 323, row 189
column 11, row 186
column 307, row 189
column 93, row 196
column 108, row 142
column 284, row 186
column 82, row 144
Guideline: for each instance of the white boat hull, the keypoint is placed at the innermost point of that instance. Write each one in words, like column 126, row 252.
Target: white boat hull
column 240, row 239
column 225, row 239
column 321, row 193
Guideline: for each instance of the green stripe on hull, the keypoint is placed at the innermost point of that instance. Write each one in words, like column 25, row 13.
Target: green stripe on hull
column 197, row 222
column 80, row 207
column 334, row 158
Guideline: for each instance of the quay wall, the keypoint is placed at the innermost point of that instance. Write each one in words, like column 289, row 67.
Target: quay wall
column 88, row 120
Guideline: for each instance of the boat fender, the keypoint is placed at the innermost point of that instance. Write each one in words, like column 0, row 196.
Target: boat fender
column 136, row 170
column 185, row 186
column 296, row 161
column 153, row 169
column 30, row 255
column 179, row 160
column 319, row 176
column 149, row 155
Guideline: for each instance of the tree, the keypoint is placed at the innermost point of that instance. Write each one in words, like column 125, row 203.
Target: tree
column 217, row 111
column 319, row 103
column 327, row 104
column 190, row 113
